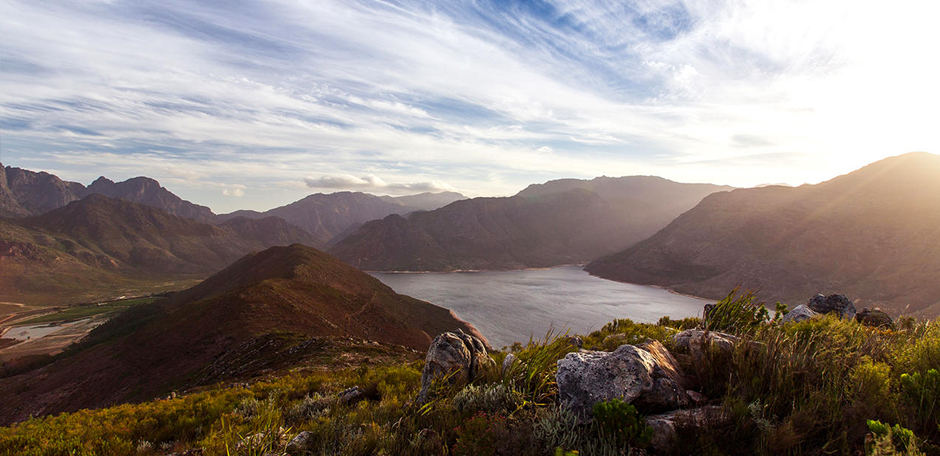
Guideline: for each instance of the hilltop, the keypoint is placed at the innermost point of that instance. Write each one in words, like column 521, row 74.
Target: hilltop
column 235, row 324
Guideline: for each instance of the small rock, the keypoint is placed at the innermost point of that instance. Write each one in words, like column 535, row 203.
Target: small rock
column 697, row 397
column 351, row 395
column 576, row 341
column 298, row 444
column 874, row 317
column 508, row 362
column 800, row 313
column 461, row 356
column 631, row 374
column 836, row 303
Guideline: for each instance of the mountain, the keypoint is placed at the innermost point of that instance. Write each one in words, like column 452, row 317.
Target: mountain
column 873, row 234
column 328, row 215
column 559, row 222
column 266, row 305
column 145, row 190
column 99, row 243
column 25, row 193
column 426, row 201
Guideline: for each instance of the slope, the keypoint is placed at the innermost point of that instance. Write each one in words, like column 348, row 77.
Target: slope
column 263, row 305
column 873, row 234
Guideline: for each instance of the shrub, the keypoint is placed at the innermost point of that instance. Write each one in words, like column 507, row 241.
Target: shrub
column 738, row 314
column 620, row 423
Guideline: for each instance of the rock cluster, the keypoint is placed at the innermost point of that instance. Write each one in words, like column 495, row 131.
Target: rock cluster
column 874, row 317
column 457, row 356
column 836, row 303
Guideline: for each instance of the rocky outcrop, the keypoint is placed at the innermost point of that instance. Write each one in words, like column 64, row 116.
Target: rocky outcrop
column 799, row 313
column 836, row 303
column 647, row 377
column 875, row 317
column 456, row 356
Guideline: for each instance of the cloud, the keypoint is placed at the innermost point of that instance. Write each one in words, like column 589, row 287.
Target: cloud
column 471, row 94
column 373, row 182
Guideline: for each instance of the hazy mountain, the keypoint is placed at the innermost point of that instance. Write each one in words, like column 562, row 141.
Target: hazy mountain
column 328, row 215
column 25, row 193
column 426, row 201
column 228, row 326
column 873, row 234
column 99, row 243
column 567, row 221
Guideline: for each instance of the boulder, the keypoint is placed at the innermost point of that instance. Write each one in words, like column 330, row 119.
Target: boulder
column 698, row 342
column 800, row 313
column 351, row 395
column 508, row 362
column 836, row 303
column 457, row 356
column 632, row 374
column 874, row 317
column 667, row 427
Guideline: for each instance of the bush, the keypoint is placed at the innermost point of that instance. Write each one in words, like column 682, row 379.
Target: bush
column 738, row 314
column 621, row 424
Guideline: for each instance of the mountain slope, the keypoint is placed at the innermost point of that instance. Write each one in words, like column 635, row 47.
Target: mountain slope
column 25, row 193
column 569, row 221
column 145, row 190
column 426, row 201
column 262, row 304
column 872, row 234
column 98, row 243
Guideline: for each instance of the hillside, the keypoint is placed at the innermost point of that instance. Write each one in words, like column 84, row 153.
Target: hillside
column 568, row 221
column 145, row 190
column 99, row 246
column 872, row 234
column 263, row 307
column 426, row 201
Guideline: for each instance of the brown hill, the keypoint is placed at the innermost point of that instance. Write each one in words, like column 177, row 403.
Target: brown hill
column 264, row 305
column 873, row 234
column 99, row 244
column 568, row 221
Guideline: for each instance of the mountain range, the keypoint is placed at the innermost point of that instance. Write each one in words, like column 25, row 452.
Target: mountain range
column 873, row 234
column 559, row 222
column 279, row 304
column 98, row 246
column 25, row 193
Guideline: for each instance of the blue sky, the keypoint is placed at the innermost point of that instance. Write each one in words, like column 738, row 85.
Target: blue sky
column 237, row 104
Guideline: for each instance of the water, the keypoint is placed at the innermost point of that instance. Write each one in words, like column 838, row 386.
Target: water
column 510, row 306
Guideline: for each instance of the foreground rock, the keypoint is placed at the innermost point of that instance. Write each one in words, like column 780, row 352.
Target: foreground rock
column 798, row 314
column 698, row 343
column 668, row 427
column 457, row 356
column 836, row 303
column 648, row 377
column 875, row 317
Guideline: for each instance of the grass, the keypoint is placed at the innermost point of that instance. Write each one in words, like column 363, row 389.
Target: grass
column 79, row 312
column 818, row 387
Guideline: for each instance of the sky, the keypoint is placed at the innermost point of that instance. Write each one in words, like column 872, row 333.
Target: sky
column 254, row 104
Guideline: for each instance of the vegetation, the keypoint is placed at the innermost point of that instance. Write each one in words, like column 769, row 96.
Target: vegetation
column 823, row 386
column 78, row 312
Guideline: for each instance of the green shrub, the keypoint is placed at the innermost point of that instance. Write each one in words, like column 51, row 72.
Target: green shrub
column 620, row 423
column 738, row 314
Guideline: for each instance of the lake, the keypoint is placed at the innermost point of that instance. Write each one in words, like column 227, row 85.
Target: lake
column 510, row 306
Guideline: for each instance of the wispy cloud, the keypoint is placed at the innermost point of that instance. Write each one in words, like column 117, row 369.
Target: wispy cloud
column 485, row 96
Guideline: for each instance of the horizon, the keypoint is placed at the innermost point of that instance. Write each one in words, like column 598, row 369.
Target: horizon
column 256, row 105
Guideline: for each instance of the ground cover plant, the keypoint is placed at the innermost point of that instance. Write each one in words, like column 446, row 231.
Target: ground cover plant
column 823, row 386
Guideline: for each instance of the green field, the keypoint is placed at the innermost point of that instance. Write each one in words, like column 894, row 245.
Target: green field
column 79, row 312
